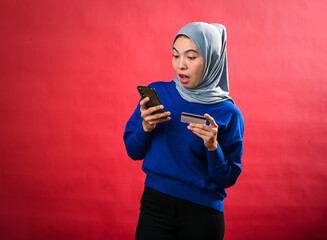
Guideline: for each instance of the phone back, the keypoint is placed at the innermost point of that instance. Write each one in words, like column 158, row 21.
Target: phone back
column 151, row 93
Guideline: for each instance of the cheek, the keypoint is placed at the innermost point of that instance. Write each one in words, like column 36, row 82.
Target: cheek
column 174, row 64
column 200, row 70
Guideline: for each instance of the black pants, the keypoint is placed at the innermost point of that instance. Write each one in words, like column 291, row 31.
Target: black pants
column 166, row 217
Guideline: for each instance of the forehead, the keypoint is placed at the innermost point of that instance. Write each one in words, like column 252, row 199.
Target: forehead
column 183, row 43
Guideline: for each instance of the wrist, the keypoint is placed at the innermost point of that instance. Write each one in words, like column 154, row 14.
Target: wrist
column 147, row 128
column 212, row 149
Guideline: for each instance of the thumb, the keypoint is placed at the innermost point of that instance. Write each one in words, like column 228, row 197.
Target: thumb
column 211, row 120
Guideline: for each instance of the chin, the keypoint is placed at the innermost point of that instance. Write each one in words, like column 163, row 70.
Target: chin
column 188, row 86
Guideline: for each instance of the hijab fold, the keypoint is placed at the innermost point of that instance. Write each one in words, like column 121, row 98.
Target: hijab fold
column 210, row 39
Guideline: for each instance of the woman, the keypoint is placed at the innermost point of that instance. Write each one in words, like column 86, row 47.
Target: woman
column 188, row 166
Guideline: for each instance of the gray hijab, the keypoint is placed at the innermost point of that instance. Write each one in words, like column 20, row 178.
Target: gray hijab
column 210, row 39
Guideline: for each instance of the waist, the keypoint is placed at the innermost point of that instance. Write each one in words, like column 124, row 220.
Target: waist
column 187, row 191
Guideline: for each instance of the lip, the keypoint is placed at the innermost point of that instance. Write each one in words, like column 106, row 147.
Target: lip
column 184, row 78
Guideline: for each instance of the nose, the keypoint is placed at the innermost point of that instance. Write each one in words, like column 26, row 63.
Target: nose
column 182, row 63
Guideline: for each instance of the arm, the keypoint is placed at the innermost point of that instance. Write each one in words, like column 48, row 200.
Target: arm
column 225, row 166
column 135, row 138
column 224, row 157
column 138, row 131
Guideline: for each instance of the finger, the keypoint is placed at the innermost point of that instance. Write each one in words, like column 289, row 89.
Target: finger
column 199, row 135
column 204, row 137
column 148, row 111
column 211, row 120
column 205, row 132
column 200, row 126
column 143, row 103
column 157, row 118
column 200, row 130
column 161, row 120
column 155, row 108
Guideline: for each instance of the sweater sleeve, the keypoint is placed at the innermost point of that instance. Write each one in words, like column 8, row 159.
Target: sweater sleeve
column 225, row 163
column 136, row 139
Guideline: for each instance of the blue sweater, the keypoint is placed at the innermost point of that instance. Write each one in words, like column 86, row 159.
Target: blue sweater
column 176, row 162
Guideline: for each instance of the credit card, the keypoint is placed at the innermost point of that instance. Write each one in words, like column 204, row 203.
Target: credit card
column 192, row 118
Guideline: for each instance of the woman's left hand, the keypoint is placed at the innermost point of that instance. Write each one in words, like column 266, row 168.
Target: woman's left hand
column 207, row 132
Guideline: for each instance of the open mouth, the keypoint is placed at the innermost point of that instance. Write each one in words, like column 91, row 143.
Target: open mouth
column 184, row 78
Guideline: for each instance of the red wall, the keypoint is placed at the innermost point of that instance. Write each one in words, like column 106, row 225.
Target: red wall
column 68, row 77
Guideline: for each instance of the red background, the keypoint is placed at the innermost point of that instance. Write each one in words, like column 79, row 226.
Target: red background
column 69, row 71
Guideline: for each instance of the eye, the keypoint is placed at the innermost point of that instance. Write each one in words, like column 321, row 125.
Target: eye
column 175, row 56
column 191, row 58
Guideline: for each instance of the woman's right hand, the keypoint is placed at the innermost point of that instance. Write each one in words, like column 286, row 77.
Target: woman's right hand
column 150, row 121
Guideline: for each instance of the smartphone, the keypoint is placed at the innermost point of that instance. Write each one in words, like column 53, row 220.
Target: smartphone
column 152, row 94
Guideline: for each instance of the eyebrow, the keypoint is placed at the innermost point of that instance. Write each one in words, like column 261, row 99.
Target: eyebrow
column 187, row 51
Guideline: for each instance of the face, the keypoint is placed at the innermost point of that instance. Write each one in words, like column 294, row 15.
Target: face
column 187, row 62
